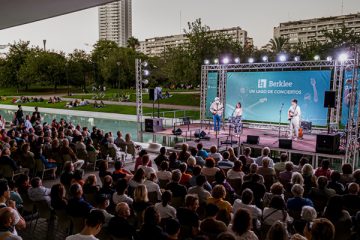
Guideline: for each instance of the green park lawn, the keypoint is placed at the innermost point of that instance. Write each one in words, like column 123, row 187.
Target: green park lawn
column 109, row 108
column 31, row 91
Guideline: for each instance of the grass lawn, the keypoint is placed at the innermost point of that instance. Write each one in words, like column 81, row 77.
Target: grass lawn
column 187, row 99
column 31, row 91
column 131, row 110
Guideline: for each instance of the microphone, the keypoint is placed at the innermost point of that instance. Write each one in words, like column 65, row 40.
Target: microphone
column 282, row 104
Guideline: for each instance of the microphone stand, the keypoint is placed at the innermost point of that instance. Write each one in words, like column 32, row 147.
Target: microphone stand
column 279, row 125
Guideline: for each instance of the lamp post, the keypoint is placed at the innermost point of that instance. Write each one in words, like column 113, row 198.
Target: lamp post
column 118, row 64
column 44, row 42
column 67, row 78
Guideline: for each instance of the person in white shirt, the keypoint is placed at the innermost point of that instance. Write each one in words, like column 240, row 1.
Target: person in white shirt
column 294, row 114
column 237, row 116
column 120, row 195
column 217, row 108
column 164, row 209
column 236, row 171
column 265, row 153
column 93, row 225
column 145, row 166
column 38, row 192
column 102, row 203
column 163, row 173
column 246, row 202
column 28, row 124
column 151, row 186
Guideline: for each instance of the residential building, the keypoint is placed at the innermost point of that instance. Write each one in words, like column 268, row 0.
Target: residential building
column 157, row 46
column 313, row 29
column 115, row 22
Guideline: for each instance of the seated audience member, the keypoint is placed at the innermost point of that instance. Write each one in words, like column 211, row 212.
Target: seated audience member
column 236, row 171
column 104, row 169
column 277, row 189
column 5, row 159
column 347, row 174
column 352, row 199
column 232, row 156
column 120, row 172
column 90, row 185
column 177, row 190
column 321, row 229
column 209, row 170
column 152, row 186
column 220, row 179
column 199, row 160
column 265, row 153
column 308, row 215
column 161, row 157
column 145, row 165
column 120, row 142
column 309, row 178
column 7, row 222
column 201, row 152
column 38, row 192
column 130, row 145
column 120, row 195
column 246, row 202
column 335, row 184
column 324, row 170
column 188, row 217
column 242, row 224
column 267, row 172
column 174, row 163
column 93, row 224
column 119, row 225
column 138, row 160
column 164, row 208
column 277, row 231
column 141, row 199
column 302, row 162
column 184, row 154
column 102, row 202
column 191, row 162
column 253, row 171
column 214, row 154
column 218, row 195
column 77, row 206
column 197, row 172
column 163, row 173
column 257, row 188
column 248, row 159
column 285, row 176
column 339, row 217
column 151, row 229
column 295, row 204
column 199, row 189
column 225, row 163
column 57, row 195
column 185, row 177
column 211, row 227
column 14, row 195
column 107, row 187
column 280, row 166
column 321, row 194
column 136, row 180
column 172, row 229
column 275, row 212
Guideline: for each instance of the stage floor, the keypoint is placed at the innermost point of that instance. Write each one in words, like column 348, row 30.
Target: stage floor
column 267, row 137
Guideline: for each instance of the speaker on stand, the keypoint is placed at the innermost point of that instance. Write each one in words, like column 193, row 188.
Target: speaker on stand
column 329, row 102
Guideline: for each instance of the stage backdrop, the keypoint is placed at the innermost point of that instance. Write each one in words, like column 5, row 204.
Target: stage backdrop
column 348, row 75
column 212, row 89
column 263, row 93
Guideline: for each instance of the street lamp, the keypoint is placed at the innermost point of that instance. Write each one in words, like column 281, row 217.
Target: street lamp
column 118, row 64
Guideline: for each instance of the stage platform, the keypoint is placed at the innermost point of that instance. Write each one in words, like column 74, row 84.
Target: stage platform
column 267, row 138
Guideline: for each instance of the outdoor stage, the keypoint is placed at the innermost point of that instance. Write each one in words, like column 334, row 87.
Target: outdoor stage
column 267, row 138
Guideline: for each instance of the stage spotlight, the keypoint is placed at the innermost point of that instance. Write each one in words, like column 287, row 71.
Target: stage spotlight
column 216, row 61
column 145, row 64
column 265, row 58
column 206, row 61
column 343, row 57
column 237, row 60
column 145, row 82
column 296, row 58
column 329, row 58
column 225, row 60
column 251, row 60
column 282, row 58
column 316, row 57
column 146, row 72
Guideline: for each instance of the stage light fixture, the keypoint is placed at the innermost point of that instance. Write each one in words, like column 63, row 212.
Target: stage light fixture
column 216, row 61
column 282, row 58
column 225, row 60
column 296, row 58
column 265, row 58
column 251, row 60
column 145, row 64
column 316, row 57
column 146, row 72
column 237, row 60
column 145, row 82
column 329, row 58
column 206, row 61
column 343, row 57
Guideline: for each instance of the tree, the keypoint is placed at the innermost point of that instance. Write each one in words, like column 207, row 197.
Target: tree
column 278, row 44
column 79, row 68
column 133, row 42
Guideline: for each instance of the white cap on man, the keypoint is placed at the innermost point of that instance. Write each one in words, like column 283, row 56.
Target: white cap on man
column 217, row 99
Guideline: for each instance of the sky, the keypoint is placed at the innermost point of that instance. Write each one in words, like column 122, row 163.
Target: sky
column 153, row 18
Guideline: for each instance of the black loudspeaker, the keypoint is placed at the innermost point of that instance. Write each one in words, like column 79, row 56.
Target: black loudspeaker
column 153, row 124
column 285, row 143
column 329, row 100
column 250, row 139
column 177, row 132
column 199, row 134
column 151, row 94
column 328, row 143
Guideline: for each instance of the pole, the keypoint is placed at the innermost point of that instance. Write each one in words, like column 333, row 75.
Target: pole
column 44, row 42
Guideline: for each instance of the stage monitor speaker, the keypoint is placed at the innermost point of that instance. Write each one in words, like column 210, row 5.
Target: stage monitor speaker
column 328, row 143
column 251, row 139
column 177, row 132
column 199, row 134
column 153, row 124
column 285, row 143
column 329, row 100
column 151, row 94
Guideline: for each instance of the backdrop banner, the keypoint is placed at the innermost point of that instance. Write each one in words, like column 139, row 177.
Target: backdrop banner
column 348, row 75
column 263, row 94
column 212, row 89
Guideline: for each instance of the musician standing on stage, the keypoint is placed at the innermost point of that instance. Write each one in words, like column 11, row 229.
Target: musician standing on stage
column 237, row 116
column 216, row 109
column 294, row 114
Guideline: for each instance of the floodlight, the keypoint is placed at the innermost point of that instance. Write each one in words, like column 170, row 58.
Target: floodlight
column 225, row 60
column 282, row 58
column 265, row 58
column 329, row 58
column 296, row 58
column 145, row 82
column 216, row 61
column 343, row 57
column 237, row 60
column 146, row 72
column 316, row 57
column 145, row 64
column 206, row 61
column 251, row 60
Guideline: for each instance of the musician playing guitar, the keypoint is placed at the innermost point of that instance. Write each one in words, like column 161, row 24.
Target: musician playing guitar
column 294, row 115
column 216, row 109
